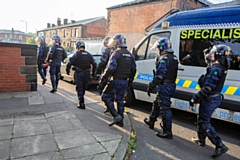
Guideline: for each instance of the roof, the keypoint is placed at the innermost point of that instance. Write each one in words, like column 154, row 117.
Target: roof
column 137, row 2
column 204, row 16
column 76, row 23
column 5, row 31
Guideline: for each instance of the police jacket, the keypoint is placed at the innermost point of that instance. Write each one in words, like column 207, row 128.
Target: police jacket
column 106, row 53
column 82, row 60
column 122, row 62
column 167, row 67
column 43, row 51
column 215, row 77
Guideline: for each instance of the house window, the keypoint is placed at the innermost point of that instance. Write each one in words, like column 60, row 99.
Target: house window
column 50, row 34
column 72, row 32
column 20, row 37
column 10, row 36
column 65, row 34
column 76, row 32
column 6, row 36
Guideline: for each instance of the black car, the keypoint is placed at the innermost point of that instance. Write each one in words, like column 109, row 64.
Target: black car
column 70, row 77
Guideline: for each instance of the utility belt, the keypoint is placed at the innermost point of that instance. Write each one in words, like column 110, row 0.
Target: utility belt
column 117, row 78
column 216, row 95
column 81, row 70
column 166, row 81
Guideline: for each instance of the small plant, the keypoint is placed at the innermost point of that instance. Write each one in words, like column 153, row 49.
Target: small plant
column 131, row 145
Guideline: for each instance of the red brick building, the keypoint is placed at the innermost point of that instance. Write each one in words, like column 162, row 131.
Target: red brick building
column 132, row 18
column 12, row 36
column 75, row 30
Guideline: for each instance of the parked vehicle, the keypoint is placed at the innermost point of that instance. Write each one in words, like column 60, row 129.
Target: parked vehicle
column 190, row 33
column 70, row 77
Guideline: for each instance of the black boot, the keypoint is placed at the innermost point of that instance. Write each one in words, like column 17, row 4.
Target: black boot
column 150, row 122
column 44, row 81
column 81, row 105
column 106, row 110
column 165, row 134
column 219, row 150
column 117, row 119
column 54, row 89
column 200, row 140
column 120, row 123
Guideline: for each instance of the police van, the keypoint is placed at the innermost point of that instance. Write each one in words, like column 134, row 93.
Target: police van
column 190, row 33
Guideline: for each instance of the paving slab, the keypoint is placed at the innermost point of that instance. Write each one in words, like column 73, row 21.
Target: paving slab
column 34, row 100
column 28, row 127
column 83, row 151
column 25, row 94
column 32, row 145
column 65, row 114
column 82, row 158
column 6, row 132
column 6, row 122
column 111, row 146
column 74, row 138
column 5, row 149
column 44, row 156
column 102, row 156
column 6, row 95
column 52, row 98
column 101, row 136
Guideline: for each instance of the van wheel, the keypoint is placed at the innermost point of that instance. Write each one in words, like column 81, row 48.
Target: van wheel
column 129, row 97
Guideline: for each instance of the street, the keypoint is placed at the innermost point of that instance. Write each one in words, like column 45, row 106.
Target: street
column 184, row 128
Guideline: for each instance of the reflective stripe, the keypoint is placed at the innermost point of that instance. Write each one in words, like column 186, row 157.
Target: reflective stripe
column 230, row 90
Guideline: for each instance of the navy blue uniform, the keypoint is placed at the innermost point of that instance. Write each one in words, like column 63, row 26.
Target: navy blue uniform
column 104, row 60
column 82, row 61
column 167, row 69
column 214, row 78
column 121, row 64
column 57, row 55
column 42, row 55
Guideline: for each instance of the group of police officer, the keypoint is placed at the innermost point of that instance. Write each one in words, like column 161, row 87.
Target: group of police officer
column 116, row 72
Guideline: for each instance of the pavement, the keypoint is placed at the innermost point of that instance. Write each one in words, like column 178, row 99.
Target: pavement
column 40, row 125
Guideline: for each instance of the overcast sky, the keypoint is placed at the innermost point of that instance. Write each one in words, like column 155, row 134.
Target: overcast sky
column 39, row 13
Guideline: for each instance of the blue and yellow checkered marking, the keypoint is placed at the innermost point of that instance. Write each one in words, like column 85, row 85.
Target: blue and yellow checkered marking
column 230, row 90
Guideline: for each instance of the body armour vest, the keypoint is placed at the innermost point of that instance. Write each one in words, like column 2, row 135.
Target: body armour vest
column 58, row 53
column 172, row 69
column 83, row 60
column 222, row 78
column 124, row 65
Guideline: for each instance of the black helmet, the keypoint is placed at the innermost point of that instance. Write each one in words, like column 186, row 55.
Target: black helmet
column 106, row 41
column 120, row 41
column 222, row 54
column 41, row 39
column 79, row 44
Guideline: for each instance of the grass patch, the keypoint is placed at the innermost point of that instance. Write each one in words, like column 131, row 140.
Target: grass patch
column 131, row 145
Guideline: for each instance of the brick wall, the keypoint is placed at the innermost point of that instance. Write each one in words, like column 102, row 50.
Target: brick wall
column 132, row 20
column 95, row 29
column 18, row 70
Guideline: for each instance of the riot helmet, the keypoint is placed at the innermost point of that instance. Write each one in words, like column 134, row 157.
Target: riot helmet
column 80, row 44
column 164, row 44
column 118, row 40
column 222, row 54
column 106, row 41
column 41, row 39
column 209, row 57
column 56, row 39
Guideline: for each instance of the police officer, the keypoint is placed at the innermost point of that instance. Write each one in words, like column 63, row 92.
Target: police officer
column 210, row 98
column 166, row 74
column 109, row 46
column 120, row 71
column 42, row 55
column 56, row 56
column 82, row 61
column 105, row 56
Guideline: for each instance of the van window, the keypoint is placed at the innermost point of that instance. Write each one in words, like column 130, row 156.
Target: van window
column 193, row 42
column 147, row 49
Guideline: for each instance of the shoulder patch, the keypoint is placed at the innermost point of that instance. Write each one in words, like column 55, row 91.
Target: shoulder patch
column 215, row 72
column 163, row 61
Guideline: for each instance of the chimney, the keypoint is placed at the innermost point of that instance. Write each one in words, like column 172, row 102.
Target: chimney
column 59, row 21
column 53, row 25
column 65, row 21
column 72, row 21
column 48, row 25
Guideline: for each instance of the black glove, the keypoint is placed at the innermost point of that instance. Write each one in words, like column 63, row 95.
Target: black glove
column 100, row 89
column 68, row 72
column 195, row 99
column 150, row 88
